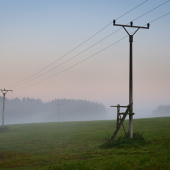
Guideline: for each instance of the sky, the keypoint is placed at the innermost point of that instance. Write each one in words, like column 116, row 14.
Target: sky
column 36, row 33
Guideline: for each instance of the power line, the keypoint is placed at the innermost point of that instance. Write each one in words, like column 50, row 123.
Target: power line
column 131, row 10
column 70, row 58
column 159, row 17
column 90, row 56
column 87, row 48
column 152, row 9
column 74, row 64
column 78, row 45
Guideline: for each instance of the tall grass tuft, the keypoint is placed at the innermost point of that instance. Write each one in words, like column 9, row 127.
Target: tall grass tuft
column 4, row 129
column 125, row 141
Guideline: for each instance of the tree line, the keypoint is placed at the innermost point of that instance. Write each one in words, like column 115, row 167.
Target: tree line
column 28, row 110
column 162, row 110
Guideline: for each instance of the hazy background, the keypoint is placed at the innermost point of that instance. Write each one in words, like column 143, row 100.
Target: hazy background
column 30, row 110
column 35, row 33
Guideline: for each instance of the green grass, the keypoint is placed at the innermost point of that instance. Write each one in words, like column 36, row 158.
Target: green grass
column 125, row 141
column 77, row 146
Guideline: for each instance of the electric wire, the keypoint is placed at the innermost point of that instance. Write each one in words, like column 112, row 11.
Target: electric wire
column 79, row 44
column 68, row 59
column 159, row 17
column 87, row 48
column 90, row 56
column 152, row 9
column 74, row 64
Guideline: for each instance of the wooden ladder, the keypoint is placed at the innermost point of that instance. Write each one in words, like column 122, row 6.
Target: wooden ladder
column 119, row 119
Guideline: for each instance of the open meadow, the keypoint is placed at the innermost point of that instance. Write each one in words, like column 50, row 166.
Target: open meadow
column 77, row 145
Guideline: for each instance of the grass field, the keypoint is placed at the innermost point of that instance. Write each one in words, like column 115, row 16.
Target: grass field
column 76, row 145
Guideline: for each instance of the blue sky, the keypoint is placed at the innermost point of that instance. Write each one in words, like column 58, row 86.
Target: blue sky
column 35, row 33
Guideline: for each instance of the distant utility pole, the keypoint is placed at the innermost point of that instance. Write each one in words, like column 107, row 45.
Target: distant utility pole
column 130, row 71
column 4, row 92
column 59, row 104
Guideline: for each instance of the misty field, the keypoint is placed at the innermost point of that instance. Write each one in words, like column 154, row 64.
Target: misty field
column 76, row 145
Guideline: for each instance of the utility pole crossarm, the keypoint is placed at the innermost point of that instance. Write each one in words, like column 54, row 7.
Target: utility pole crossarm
column 119, row 106
column 5, row 91
column 131, row 25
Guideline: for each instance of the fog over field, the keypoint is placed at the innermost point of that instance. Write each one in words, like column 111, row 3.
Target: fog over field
column 27, row 110
column 34, row 110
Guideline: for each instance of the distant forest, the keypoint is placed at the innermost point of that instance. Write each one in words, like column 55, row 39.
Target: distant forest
column 162, row 111
column 34, row 110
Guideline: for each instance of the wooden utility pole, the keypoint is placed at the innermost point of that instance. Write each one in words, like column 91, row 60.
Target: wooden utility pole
column 130, row 71
column 59, row 104
column 4, row 92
